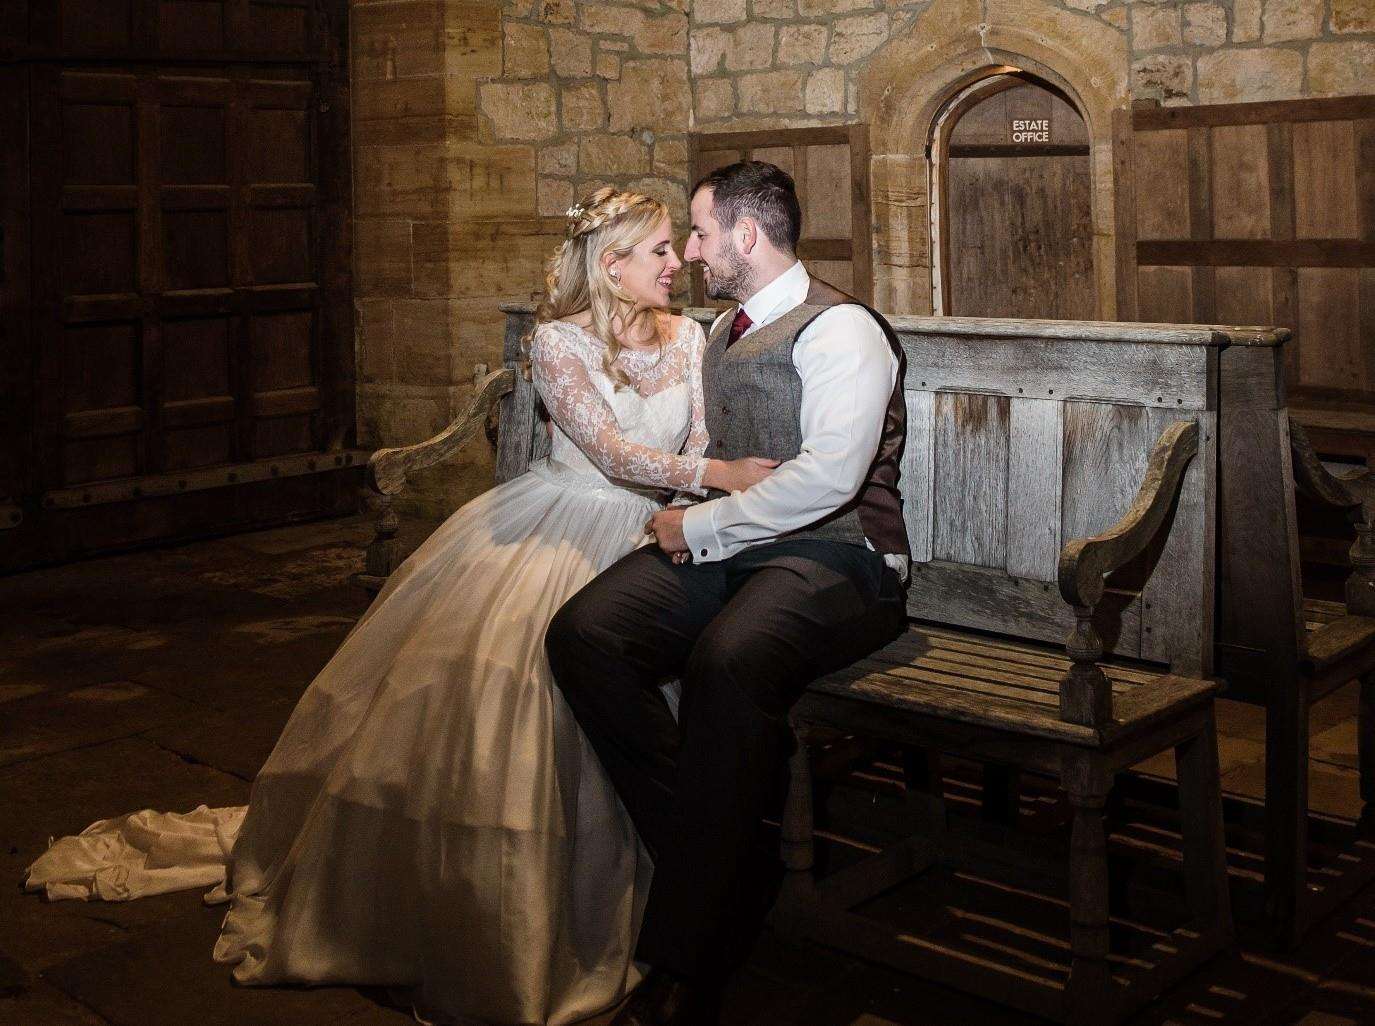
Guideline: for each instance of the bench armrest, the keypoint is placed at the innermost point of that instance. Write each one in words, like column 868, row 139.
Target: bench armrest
column 1084, row 562
column 1354, row 492
column 389, row 468
column 1085, row 692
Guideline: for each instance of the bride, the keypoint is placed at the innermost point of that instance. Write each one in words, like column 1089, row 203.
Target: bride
column 432, row 818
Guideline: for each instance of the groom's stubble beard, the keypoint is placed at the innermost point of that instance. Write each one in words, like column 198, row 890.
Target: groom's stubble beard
column 734, row 279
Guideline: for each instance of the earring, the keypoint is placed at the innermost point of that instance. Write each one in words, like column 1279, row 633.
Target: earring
column 615, row 276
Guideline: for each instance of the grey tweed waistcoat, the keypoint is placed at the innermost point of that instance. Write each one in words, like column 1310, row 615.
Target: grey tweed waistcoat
column 754, row 408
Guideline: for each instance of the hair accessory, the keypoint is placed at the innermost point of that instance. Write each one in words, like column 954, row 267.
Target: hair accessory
column 575, row 211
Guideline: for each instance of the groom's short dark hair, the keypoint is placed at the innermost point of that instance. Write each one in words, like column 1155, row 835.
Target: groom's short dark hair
column 763, row 191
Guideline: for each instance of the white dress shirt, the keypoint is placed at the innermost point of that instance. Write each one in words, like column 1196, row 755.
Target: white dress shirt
column 848, row 371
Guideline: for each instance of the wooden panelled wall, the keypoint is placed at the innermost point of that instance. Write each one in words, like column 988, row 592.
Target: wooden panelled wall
column 1261, row 213
column 830, row 167
column 181, row 257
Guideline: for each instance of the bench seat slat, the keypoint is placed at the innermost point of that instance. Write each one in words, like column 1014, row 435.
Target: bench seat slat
column 1333, row 641
column 939, row 672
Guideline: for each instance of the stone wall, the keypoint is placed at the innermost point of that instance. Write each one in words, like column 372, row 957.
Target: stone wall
column 479, row 123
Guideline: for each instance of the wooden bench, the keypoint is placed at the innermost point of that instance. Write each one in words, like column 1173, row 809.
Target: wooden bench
column 1286, row 653
column 1270, row 649
column 1061, row 482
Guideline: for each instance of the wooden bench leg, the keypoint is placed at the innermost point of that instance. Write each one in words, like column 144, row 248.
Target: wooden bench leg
column 1089, row 993
column 1286, row 809
column 796, row 906
column 1205, row 846
column 1365, row 752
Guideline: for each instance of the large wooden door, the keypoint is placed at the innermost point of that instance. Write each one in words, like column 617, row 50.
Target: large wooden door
column 830, row 167
column 189, row 364
column 1015, row 213
column 1262, row 213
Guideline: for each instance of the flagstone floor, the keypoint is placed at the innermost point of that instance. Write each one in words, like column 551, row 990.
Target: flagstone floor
column 161, row 678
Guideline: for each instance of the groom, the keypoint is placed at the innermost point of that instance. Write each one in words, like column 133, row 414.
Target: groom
column 747, row 597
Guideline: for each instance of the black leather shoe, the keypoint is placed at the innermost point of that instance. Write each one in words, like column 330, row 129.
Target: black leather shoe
column 664, row 1000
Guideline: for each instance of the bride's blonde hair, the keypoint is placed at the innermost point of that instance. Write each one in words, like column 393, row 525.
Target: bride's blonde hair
column 607, row 221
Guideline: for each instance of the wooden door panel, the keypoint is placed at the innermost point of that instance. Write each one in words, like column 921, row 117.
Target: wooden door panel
column 830, row 168
column 150, row 29
column 190, row 269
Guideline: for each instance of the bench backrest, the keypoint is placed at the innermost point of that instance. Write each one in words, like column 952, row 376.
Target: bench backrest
column 1021, row 436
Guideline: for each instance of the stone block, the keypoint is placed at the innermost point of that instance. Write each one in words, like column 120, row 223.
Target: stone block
column 495, row 259
column 707, row 47
column 1163, row 76
column 488, row 181
column 612, row 155
column 1205, row 24
column 381, row 256
column 672, row 194
column 1352, row 16
column 422, row 333
column 817, row 8
column 1117, row 18
column 650, row 94
column 472, row 38
column 519, row 111
column 400, row 98
column 583, row 109
column 555, row 196
column 1287, row 20
column 665, row 33
column 372, row 333
column 718, row 12
column 713, row 98
column 1086, row 5
column 525, row 51
column 603, row 19
column 779, row 9
column 858, row 36
column 772, row 92
column 608, row 66
column 570, row 52
column 399, row 180
column 1155, row 25
column 1242, row 76
column 751, row 48
column 671, row 158
column 1341, row 68
column 802, row 44
column 560, row 159
column 1246, row 20
column 393, row 41
column 556, row 12
column 825, row 91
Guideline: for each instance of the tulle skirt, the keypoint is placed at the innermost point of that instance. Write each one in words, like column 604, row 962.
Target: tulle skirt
column 431, row 818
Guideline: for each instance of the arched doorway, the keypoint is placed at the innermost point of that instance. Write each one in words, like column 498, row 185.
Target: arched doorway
column 1012, row 217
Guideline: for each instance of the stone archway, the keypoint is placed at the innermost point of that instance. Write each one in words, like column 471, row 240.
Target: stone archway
column 951, row 46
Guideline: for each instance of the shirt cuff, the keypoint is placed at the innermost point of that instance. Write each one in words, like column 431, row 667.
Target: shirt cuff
column 700, row 533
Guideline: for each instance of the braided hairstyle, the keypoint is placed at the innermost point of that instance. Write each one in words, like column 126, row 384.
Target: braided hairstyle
column 607, row 221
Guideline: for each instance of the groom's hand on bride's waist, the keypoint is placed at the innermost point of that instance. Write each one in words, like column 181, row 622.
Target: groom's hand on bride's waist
column 666, row 528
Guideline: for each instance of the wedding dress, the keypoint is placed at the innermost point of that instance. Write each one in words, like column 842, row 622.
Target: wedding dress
column 432, row 817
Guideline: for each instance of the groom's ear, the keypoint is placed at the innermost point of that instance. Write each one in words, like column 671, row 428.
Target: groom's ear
column 747, row 234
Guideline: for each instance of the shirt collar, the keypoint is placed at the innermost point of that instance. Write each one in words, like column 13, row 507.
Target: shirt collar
column 779, row 296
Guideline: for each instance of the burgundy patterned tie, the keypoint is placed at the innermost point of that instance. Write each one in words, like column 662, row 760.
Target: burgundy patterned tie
column 738, row 327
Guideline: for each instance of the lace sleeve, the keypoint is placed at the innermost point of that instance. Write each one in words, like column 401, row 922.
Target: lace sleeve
column 696, row 444
column 560, row 372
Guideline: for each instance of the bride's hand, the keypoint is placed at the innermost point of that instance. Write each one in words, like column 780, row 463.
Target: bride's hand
column 737, row 475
